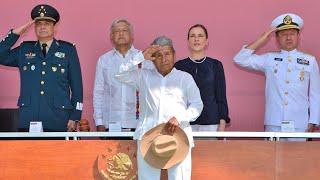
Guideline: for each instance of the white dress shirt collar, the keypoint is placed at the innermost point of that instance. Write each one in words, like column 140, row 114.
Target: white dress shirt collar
column 132, row 49
column 171, row 73
column 288, row 52
column 48, row 44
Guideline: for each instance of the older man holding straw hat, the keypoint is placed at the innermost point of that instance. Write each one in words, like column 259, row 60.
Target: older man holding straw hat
column 170, row 99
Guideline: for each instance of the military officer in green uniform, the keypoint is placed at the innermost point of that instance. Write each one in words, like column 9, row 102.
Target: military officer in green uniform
column 50, row 74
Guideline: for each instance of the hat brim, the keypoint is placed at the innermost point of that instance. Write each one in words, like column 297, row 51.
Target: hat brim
column 182, row 151
column 289, row 26
column 44, row 18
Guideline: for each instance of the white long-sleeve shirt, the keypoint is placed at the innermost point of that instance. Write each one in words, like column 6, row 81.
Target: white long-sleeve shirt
column 292, row 85
column 161, row 98
column 113, row 100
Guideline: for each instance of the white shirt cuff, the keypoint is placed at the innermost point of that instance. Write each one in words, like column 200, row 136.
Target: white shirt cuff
column 245, row 48
column 98, row 122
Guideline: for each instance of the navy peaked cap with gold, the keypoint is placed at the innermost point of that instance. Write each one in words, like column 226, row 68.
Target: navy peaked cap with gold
column 45, row 12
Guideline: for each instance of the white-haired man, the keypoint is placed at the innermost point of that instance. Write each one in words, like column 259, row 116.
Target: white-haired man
column 168, row 96
column 115, row 103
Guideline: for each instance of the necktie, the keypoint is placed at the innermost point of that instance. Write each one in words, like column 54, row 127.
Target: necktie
column 44, row 49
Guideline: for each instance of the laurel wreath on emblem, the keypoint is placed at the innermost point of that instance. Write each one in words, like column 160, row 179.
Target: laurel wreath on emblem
column 117, row 167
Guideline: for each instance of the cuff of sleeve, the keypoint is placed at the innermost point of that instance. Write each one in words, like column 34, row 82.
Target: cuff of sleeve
column 179, row 118
column 138, row 58
column 11, row 37
column 76, row 115
column 148, row 65
column 12, row 34
column 247, row 50
column 98, row 122
column 226, row 118
column 313, row 122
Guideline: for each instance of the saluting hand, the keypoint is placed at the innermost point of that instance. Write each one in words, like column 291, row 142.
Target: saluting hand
column 261, row 40
column 149, row 52
column 22, row 29
column 171, row 125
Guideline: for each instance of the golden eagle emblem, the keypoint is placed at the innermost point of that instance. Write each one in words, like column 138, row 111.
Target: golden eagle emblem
column 118, row 165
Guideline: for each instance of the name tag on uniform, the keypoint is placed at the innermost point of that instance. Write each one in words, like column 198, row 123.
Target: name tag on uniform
column 278, row 59
column 35, row 126
column 114, row 126
column 287, row 126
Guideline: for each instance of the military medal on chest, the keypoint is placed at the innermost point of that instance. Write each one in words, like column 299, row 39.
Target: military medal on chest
column 276, row 70
column 301, row 75
column 54, row 69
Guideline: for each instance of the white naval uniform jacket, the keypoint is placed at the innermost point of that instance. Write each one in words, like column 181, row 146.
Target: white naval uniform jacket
column 292, row 85
column 161, row 98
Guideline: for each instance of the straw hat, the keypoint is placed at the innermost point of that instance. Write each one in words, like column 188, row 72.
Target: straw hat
column 162, row 150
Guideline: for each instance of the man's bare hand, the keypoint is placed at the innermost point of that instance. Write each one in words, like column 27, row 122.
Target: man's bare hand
column 22, row 29
column 84, row 125
column 101, row 128
column 149, row 52
column 311, row 128
column 222, row 125
column 261, row 40
column 171, row 125
column 71, row 126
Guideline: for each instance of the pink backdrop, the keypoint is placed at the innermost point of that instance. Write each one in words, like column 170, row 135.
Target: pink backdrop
column 230, row 23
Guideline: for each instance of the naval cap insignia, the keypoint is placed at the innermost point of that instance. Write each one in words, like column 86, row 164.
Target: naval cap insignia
column 287, row 19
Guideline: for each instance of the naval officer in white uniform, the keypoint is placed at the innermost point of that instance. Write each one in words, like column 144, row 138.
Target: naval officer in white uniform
column 292, row 78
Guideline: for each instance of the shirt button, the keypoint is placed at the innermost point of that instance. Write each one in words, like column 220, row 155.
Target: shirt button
column 285, row 103
column 22, row 104
column 42, row 82
column 289, row 70
column 63, row 107
column 42, row 92
column 286, row 93
column 44, row 63
column 43, row 72
column 287, row 82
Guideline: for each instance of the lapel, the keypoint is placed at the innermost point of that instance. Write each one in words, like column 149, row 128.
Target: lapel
column 37, row 50
column 53, row 48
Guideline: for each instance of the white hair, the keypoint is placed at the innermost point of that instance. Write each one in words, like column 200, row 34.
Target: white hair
column 163, row 41
column 116, row 21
